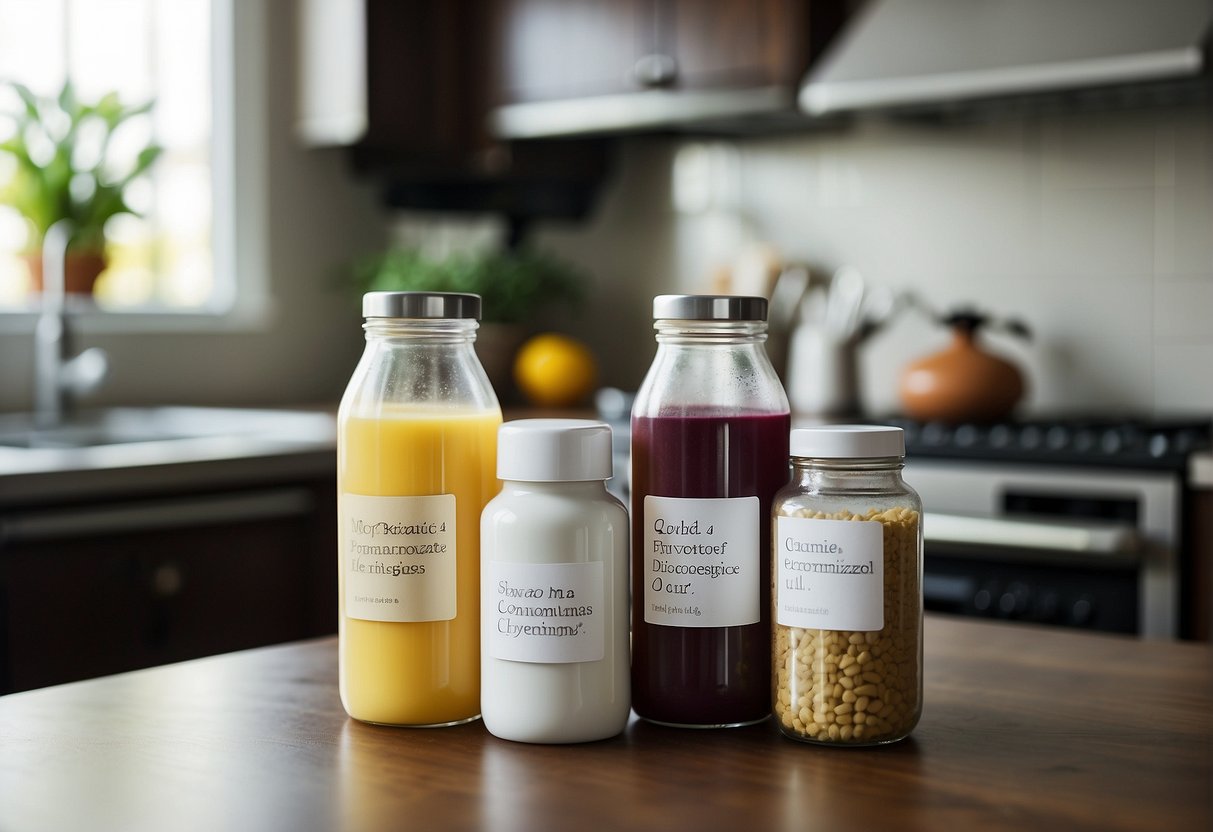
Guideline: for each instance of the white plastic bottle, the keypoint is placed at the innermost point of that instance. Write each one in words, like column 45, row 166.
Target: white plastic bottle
column 554, row 587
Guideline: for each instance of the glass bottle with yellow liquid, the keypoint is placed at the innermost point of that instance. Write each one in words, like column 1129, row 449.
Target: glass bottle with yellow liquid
column 416, row 464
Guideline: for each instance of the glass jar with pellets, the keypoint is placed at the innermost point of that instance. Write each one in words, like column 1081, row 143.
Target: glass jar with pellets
column 847, row 589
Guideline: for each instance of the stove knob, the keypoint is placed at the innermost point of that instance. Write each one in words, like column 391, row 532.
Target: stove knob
column 1159, row 445
column 934, row 433
column 1057, row 438
column 965, row 437
column 1082, row 611
column 1029, row 438
column 983, row 599
column 999, row 436
column 1111, row 441
column 1047, row 606
column 1084, row 440
column 1014, row 602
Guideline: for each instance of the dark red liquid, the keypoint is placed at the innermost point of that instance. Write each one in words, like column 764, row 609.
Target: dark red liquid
column 705, row 675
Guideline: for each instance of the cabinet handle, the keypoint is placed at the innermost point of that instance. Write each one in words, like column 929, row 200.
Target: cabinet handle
column 655, row 70
column 1091, row 538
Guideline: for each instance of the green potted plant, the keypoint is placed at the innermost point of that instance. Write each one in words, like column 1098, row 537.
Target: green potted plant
column 66, row 169
column 513, row 285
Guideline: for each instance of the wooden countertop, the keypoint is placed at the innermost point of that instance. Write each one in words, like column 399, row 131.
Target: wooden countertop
column 1024, row 728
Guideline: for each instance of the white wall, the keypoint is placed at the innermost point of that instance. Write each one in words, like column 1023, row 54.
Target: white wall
column 1096, row 229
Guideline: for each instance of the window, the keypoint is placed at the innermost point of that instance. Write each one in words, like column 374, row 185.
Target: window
column 159, row 50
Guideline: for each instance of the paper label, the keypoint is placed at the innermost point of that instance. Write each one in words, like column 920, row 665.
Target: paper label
column 701, row 561
column 829, row 574
column 544, row 612
column 399, row 557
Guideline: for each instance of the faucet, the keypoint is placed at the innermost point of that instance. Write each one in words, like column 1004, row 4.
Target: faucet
column 59, row 377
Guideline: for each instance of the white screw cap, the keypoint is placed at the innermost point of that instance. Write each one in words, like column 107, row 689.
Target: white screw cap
column 848, row 441
column 554, row 450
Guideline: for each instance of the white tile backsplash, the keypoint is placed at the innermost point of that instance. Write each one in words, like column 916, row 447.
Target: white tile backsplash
column 1097, row 232
column 1183, row 310
column 1096, row 229
column 1100, row 150
column 1065, row 317
column 1183, row 377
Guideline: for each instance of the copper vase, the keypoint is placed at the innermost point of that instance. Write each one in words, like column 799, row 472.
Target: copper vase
column 962, row 383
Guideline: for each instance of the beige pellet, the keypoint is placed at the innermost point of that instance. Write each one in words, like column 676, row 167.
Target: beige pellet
column 858, row 687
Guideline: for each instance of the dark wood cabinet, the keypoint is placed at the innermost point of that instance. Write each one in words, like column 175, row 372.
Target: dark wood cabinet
column 733, row 43
column 562, row 49
column 424, row 96
column 109, row 586
column 412, row 109
column 508, row 105
column 597, row 66
column 540, row 50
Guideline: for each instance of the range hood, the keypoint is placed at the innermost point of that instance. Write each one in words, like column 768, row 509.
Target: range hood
column 898, row 54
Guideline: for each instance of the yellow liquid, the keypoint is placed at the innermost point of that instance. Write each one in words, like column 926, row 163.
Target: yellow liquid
column 425, row 672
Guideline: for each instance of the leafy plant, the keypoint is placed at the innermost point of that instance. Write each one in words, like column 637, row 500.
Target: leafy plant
column 64, row 170
column 513, row 285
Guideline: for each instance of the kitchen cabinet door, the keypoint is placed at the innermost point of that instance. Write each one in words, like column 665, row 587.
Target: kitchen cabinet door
column 558, row 49
column 98, row 589
column 735, row 43
column 405, row 87
column 595, row 66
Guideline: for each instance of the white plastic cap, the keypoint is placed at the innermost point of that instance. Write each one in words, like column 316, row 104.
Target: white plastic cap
column 848, row 441
column 554, row 450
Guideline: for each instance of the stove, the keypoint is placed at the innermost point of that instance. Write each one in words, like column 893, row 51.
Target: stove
column 1123, row 442
column 1069, row 521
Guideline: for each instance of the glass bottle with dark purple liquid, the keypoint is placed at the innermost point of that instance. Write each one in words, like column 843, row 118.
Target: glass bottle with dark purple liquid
column 709, row 443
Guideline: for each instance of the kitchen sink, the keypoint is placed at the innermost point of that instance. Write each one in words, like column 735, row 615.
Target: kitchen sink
column 99, row 431
column 126, row 425
column 120, row 436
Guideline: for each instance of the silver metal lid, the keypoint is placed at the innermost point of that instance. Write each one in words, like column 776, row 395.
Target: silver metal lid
column 709, row 308
column 420, row 305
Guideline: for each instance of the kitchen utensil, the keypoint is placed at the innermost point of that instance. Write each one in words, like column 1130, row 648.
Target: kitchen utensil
column 834, row 318
column 845, row 301
column 783, row 313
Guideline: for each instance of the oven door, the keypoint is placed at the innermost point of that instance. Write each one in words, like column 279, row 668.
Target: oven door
column 1094, row 548
column 1068, row 573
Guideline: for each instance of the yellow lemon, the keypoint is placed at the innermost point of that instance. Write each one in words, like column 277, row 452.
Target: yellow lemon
column 554, row 370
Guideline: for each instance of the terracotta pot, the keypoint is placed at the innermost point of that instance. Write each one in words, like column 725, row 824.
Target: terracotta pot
column 81, row 269
column 962, row 383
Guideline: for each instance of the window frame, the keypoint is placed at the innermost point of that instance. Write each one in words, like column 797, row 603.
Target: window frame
column 240, row 195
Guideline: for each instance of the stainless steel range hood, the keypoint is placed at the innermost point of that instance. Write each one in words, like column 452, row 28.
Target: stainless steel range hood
column 923, row 53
